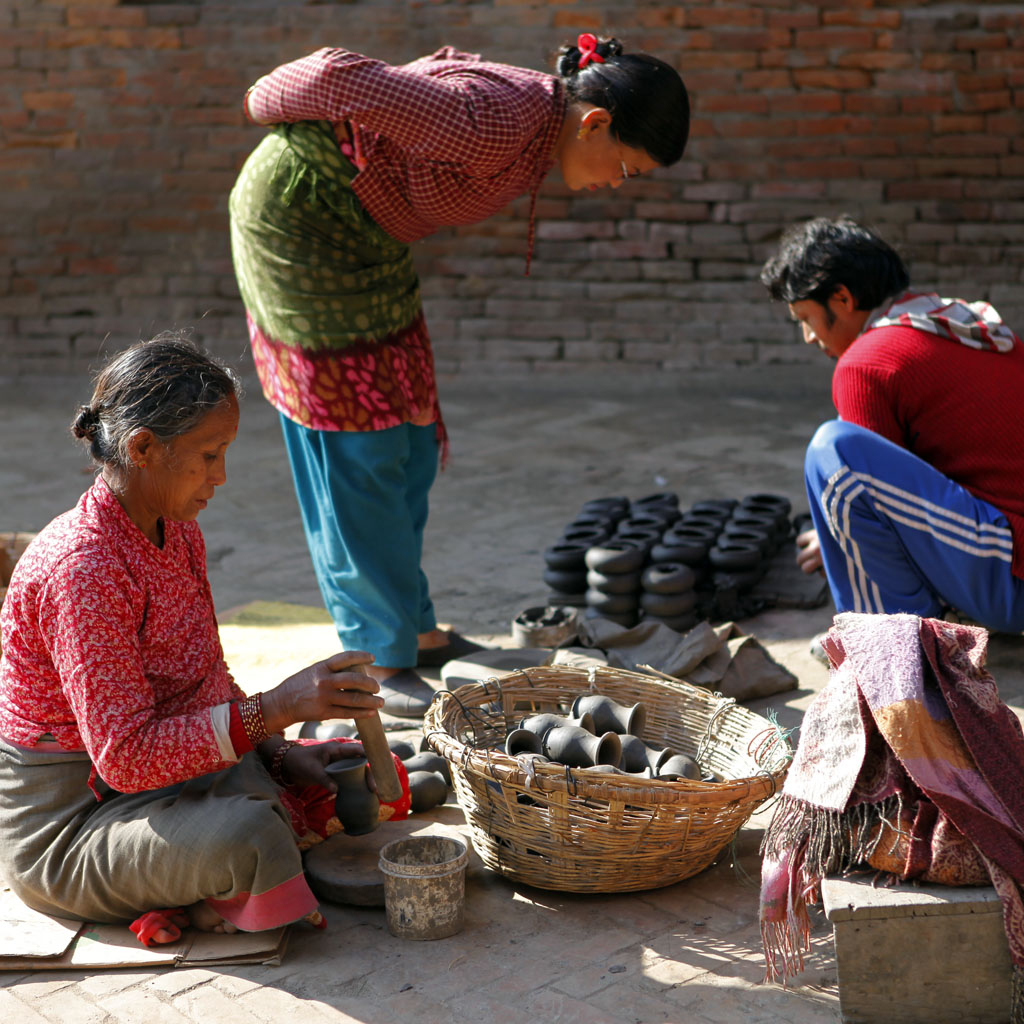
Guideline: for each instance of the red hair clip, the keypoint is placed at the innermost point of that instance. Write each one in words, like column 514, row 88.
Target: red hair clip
column 587, row 44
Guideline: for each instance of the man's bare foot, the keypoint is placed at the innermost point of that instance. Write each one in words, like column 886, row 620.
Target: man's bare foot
column 204, row 918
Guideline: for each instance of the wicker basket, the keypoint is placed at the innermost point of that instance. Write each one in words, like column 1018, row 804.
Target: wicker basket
column 569, row 830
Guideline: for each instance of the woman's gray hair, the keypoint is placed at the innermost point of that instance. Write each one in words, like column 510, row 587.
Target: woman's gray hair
column 166, row 385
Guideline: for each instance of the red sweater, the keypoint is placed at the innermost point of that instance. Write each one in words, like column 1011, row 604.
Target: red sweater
column 958, row 408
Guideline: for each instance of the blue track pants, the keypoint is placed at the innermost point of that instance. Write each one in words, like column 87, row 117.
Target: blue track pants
column 898, row 536
column 363, row 500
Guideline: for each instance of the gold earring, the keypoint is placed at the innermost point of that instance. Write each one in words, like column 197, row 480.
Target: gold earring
column 580, row 132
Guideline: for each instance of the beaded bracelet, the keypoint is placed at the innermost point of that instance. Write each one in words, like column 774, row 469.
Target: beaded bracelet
column 276, row 767
column 250, row 710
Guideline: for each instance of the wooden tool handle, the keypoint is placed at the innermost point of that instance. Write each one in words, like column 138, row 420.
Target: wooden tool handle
column 378, row 753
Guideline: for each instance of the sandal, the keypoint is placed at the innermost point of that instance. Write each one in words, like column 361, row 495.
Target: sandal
column 147, row 926
column 457, row 647
column 406, row 694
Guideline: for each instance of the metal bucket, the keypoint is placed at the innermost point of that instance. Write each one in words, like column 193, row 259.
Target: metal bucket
column 424, row 886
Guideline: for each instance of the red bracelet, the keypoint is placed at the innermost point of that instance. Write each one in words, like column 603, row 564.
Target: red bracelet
column 276, row 768
column 250, row 711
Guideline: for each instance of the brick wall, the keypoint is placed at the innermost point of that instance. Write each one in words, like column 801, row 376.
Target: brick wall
column 121, row 133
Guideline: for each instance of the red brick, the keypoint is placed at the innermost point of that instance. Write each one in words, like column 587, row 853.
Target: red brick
column 989, row 81
column 875, row 60
column 793, row 19
column 825, row 78
column 767, row 79
column 873, row 18
column 871, row 104
column 947, row 62
column 806, row 103
column 927, row 105
column 986, row 101
column 738, row 103
column 96, row 16
column 983, row 41
column 731, row 17
column 49, row 100
column 832, row 39
column 955, row 124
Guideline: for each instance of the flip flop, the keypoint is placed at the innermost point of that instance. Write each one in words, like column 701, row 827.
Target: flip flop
column 457, row 647
column 147, row 926
column 405, row 694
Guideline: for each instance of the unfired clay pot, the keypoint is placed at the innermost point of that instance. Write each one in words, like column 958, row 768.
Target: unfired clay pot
column 577, row 748
column 679, row 766
column 636, row 755
column 541, row 722
column 610, row 716
column 355, row 804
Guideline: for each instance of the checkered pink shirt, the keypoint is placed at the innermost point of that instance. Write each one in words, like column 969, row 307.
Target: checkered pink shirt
column 448, row 139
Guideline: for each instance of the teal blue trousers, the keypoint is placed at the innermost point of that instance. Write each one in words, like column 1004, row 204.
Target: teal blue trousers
column 363, row 496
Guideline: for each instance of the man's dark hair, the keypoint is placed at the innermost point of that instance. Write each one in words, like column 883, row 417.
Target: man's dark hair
column 816, row 257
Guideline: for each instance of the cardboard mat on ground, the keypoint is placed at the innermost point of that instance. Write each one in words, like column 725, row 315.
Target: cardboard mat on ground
column 30, row 941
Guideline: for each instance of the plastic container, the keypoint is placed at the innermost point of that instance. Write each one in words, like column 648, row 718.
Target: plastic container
column 424, row 886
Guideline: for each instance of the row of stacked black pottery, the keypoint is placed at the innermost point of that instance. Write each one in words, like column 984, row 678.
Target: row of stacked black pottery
column 626, row 560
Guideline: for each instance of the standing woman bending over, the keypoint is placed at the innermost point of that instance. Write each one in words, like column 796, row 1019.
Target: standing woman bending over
column 363, row 159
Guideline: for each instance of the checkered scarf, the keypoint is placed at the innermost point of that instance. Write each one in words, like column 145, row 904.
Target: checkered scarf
column 975, row 324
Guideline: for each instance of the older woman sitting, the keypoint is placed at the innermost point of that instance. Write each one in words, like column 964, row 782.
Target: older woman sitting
column 135, row 774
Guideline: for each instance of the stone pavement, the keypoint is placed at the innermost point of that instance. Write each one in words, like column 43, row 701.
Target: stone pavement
column 526, row 452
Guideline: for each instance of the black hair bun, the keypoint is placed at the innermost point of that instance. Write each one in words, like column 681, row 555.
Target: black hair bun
column 86, row 422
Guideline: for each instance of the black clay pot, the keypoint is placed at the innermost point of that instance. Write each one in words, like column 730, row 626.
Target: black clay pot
column 641, row 522
column 733, row 555
column 644, row 537
column 614, row 507
column 678, row 766
column 578, row 748
column 612, row 604
column 691, row 553
column 762, row 536
column 685, row 532
column 426, row 790
column 661, row 498
column 522, row 741
column 567, row 556
column 609, row 715
column 544, row 720
column 778, row 502
column 665, row 514
column 668, row 605
column 637, row 755
column 566, row 580
column 703, row 520
column 426, row 761
column 559, row 597
column 402, row 750
column 668, row 578
column 355, row 804
column 613, row 582
column 616, row 555
column 716, row 506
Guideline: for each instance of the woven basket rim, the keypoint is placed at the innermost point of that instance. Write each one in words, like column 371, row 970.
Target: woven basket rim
column 549, row 777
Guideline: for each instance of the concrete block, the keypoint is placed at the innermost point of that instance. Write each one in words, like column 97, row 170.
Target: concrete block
column 927, row 954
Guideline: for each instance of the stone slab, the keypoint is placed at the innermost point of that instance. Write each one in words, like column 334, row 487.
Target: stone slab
column 343, row 869
column 918, row 954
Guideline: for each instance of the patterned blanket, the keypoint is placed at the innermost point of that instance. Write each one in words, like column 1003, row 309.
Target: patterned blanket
column 908, row 762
